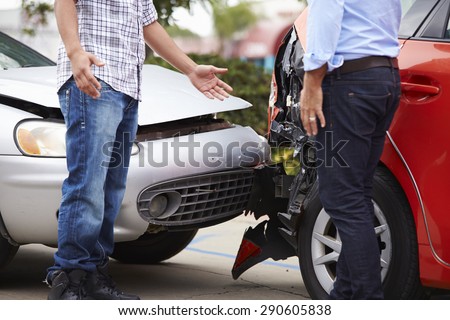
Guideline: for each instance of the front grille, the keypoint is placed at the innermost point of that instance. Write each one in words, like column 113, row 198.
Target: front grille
column 204, row 198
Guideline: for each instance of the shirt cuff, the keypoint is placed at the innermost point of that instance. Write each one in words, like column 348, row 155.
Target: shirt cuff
column 313, row 61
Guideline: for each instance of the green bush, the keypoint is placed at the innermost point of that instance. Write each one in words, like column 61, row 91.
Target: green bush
column 249, row 82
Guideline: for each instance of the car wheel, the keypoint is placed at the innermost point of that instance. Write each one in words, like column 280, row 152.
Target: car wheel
column 319, row 242
column 7, row 252
column 152, row 248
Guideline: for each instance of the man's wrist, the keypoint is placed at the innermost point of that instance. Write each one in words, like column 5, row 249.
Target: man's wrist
column 189, row 68
column 314, row 78
column 71, row 52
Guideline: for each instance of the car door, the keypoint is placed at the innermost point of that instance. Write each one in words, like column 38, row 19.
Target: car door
column 421, row 128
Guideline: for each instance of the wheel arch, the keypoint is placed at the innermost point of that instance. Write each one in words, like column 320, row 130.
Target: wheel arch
column 8, row 247
column 431, row 267
column 393, row 162
column 4, row 232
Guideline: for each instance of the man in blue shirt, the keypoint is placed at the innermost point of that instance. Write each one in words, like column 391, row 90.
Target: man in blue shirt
column 350, row 93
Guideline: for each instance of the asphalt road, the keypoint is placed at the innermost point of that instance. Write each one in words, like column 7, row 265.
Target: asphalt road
column 201, row 272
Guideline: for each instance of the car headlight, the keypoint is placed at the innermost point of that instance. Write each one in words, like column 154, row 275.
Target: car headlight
column 42, row 138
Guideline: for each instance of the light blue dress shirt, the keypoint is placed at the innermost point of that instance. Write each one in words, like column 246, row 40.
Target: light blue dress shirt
column 339, row 30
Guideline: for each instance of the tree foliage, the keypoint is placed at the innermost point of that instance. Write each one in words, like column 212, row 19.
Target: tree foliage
column 166, row 8
column 231, row 19
column 37, row 10
column 228, row 20
column 35, row 14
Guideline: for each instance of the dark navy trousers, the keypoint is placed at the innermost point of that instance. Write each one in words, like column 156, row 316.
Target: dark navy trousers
column 358, row 107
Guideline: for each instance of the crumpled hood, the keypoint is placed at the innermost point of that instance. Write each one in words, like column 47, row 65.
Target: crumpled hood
column 166, row 95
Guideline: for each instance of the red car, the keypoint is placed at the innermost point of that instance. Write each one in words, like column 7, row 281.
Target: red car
column 411, row 184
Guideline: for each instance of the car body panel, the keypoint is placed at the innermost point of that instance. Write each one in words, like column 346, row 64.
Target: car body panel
column 166, row 95
column 419, row 129
column 417, row 148
column 171, row 112
column 26, row 181
column 426, row 152
column 433, row 273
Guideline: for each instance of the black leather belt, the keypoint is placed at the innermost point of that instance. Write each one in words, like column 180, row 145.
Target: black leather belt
column 366, row 63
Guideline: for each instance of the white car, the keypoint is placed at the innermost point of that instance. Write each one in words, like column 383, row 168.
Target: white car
column 188, row 170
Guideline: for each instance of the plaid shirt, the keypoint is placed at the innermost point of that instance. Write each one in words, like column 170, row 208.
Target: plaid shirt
column 112, row 30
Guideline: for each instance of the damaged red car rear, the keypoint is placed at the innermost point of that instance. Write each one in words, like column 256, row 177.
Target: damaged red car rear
column 411, row 183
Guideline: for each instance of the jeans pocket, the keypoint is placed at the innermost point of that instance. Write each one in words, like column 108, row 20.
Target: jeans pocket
column 105, row 87
column 64, row 102
column 326, row 109
column 366, row 110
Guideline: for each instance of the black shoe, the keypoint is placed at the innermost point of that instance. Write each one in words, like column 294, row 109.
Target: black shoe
column 100, row 286
column 68, row 285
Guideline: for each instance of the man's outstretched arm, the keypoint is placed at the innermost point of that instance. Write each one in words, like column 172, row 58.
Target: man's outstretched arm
column 203, row 77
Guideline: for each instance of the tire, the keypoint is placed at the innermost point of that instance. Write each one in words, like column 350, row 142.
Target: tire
column 396, row 233
column 7, row 252
column 152, row 248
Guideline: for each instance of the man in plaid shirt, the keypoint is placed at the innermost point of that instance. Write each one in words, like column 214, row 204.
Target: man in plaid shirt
column 99, row 77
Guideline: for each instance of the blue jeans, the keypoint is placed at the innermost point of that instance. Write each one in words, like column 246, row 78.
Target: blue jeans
column 100, row 134
column 358, row 108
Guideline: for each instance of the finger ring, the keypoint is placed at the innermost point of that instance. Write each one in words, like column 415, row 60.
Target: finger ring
column 312, row 118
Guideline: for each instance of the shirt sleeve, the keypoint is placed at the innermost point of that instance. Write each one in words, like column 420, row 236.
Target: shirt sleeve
column 150, row 14
column 323, row 32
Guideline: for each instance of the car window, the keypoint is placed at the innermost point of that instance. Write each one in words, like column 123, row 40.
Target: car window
column 436, row 25
column 447, row 31
column 414, row 13
column 14, row 54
